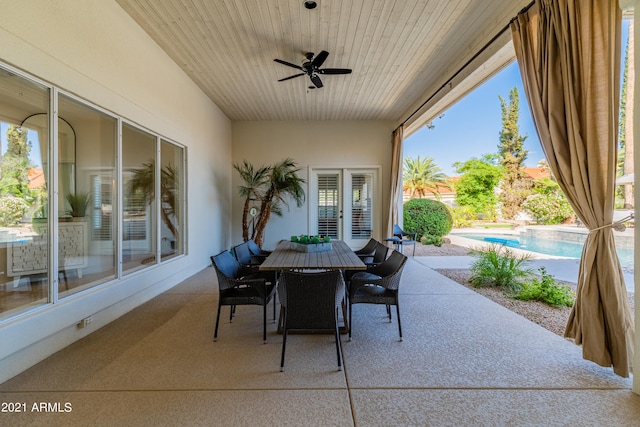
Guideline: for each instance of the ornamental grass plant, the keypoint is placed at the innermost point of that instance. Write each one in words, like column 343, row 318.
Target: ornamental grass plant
column 498, row 265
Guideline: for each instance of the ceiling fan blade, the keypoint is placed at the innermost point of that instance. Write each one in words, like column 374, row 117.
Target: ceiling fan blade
column 289, row 64
column 316, row 80
column 292, row 77
column 335, row 71
column 319, row 59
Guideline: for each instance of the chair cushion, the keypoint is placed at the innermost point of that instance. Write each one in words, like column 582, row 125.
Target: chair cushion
column 372, row 290
column 373, row 294
column 363, row 276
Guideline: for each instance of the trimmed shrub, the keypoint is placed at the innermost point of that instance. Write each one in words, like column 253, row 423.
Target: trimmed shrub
column 430, row 219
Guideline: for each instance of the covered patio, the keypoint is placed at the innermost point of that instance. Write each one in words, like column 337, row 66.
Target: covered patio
column 148, row 358
column 464, row 361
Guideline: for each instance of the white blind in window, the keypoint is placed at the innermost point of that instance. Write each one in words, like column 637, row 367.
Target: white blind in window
column 328, row 205
column 361, row 214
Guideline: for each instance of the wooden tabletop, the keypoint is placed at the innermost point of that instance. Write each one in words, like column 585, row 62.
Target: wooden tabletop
column 340, row 257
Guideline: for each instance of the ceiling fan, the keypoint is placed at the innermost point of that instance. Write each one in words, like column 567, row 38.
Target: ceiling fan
column 311, row 68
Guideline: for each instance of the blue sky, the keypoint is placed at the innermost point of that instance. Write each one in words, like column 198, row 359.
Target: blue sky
column 32, row 136
column 471, row 127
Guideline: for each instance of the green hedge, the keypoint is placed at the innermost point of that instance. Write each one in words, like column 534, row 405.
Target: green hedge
column 428, row 218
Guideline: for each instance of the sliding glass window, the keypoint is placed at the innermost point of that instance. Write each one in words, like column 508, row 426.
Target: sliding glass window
column 24, row 231
column 171, row 200
column 139, row 203
column 86, row 197
column 76, row 158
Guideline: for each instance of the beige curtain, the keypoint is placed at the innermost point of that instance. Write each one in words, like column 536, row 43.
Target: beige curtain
column 396, row 178
column 569, row 57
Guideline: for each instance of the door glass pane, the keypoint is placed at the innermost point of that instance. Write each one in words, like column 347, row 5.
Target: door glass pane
column 24, row 243
column 361, row 206
column 171, row 200
column 86, row 202
column 139, row 205
column 328, row 205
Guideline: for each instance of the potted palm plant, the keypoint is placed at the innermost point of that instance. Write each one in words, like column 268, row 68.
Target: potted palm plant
column 78, row 203
column 270, row 187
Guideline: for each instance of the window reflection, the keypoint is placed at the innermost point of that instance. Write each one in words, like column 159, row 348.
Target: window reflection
column 172, row 195
column 139, row 212
column 87, row 206
column 86, row 253
column 23, row 195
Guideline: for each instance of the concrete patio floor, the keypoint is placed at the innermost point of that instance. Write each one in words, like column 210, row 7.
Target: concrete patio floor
column 464, row 361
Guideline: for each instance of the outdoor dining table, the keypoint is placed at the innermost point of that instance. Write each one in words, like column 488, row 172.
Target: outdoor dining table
column 340, row 257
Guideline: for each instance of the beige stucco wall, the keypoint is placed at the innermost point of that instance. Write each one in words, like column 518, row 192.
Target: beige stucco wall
column 94, row 50
column 336, row 144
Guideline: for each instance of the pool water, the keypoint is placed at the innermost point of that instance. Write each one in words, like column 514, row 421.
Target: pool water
column 545, row 246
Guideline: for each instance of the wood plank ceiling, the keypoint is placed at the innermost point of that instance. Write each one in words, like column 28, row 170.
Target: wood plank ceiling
column 400, row 51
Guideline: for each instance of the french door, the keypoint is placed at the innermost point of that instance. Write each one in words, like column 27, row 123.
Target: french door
column 344, row 204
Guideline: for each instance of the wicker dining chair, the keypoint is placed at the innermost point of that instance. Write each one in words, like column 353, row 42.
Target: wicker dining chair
column 378, row 285
column 310, row 302
column 240, row 285
column 367, row 250
column 378, row 256
column 258, row 255
column 243, row 255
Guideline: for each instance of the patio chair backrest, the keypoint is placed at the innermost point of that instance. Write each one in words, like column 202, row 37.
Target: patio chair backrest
column 380, row 253
column 226, row 266
column 391, row 270
column 311, row 299
column 367, row 249
column 242, row 253
column 253, row 247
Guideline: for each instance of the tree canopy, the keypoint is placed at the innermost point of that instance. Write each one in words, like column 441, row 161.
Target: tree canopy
column 515, row 185
column 271, row 187
column 478, row 179
column 14, row 179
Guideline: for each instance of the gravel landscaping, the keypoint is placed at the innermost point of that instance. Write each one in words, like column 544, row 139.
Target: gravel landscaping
column 551, row 318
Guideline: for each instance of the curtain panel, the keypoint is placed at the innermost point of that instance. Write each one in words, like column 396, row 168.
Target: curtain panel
column 397, row 142
column 568, row 52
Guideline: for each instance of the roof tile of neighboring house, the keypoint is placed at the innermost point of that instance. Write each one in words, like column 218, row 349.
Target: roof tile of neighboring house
column 537, row 173
column 36, row 178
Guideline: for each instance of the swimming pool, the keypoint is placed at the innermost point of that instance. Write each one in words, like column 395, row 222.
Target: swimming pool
column 544, row 246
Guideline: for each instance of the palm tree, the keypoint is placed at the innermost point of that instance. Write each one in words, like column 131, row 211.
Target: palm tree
column 254, row 181
column 423, row 176
column 283, row 184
